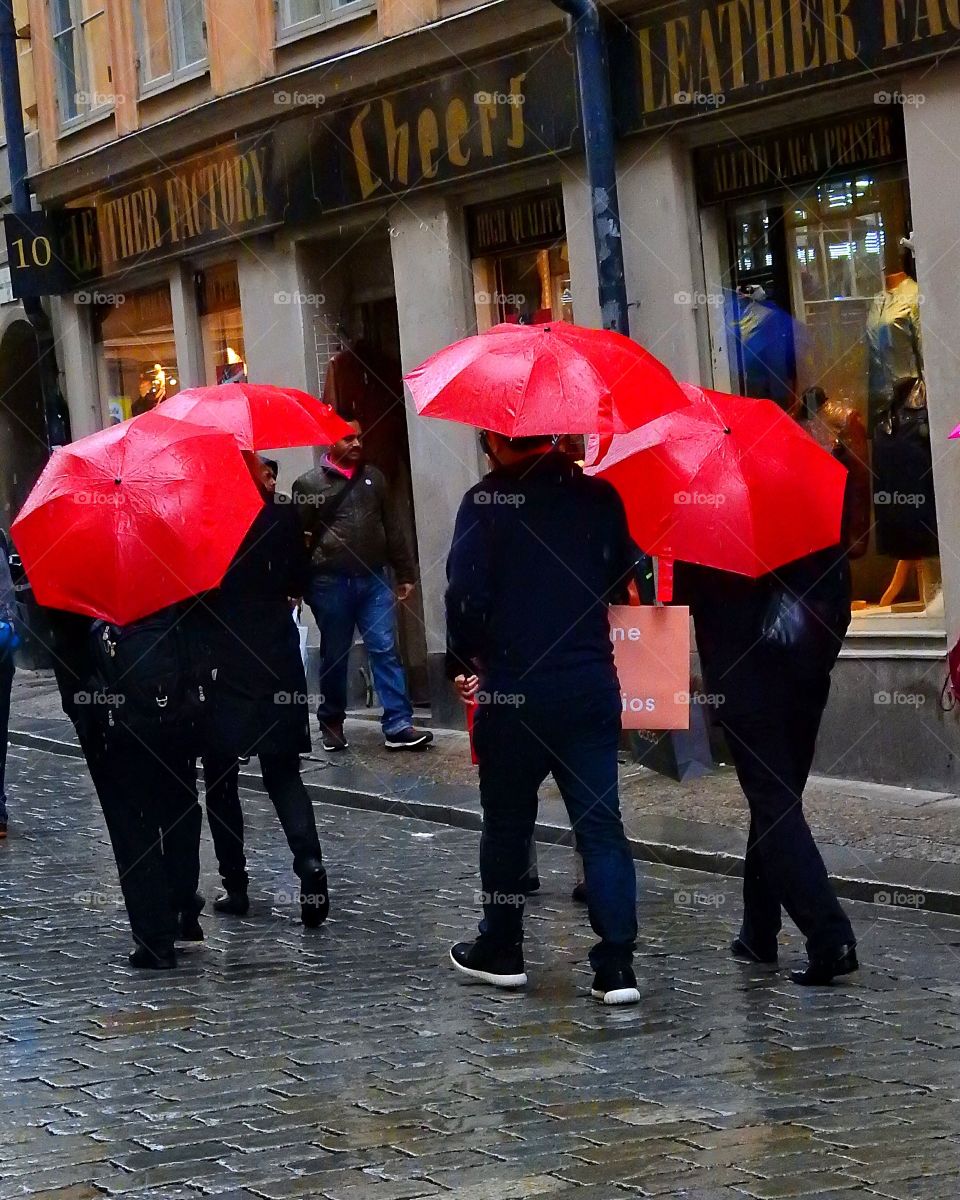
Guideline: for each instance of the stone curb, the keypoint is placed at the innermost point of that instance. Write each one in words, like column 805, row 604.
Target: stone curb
column 886, row 882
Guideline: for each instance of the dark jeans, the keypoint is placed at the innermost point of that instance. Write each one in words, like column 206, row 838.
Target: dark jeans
column 772, row 748
column 149, row 801
column 340, row 604
column 281, row 778
column 7, row 671
column 575, row 739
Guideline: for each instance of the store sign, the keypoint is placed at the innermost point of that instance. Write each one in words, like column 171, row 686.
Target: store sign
column 501, row 113
column 688, row 58
column 215, row 196
column 535, row 219
column 791, row 157
column 33, row 255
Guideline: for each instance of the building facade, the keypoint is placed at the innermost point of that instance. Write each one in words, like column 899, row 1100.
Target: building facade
column 321, row 194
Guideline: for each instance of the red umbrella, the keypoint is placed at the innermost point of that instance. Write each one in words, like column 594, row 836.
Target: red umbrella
column 260, row 416
column 727, row 482
column 136, row 517
column 521, row 380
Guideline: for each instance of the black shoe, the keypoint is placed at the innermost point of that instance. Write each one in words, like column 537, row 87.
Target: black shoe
column 233, row 903
column 189, row 928
column 314, row 898
column 821, row 971
column 531, row 884
column 739, row 949
column 502, row 967
column 332, row 737
column 145, row 960
column 579, row 894
column 408, row 739
column 615, row 985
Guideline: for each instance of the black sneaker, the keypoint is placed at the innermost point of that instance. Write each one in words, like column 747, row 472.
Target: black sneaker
column 314, row 898
column 741, row 951
column 615, row 985
column 501, row 967
column 579, row 893
column 822, row 971
column 143, row 959
column 332, row 737
column 408, row 739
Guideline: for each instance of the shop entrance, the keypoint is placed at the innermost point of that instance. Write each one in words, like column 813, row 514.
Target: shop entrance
column 821, row 314
column 356, row 334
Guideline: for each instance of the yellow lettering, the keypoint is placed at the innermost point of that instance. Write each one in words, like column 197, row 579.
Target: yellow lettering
column 428, row 139
column 928, row 11
column 398, row 145
column 369, row 183
column 806, row 51
column 488, row 114
column 678, row 62
column 518, row 132
column 768, row 35
column 734, row 10
column 892, row 12
column 259, row 191
column 173, row 209
column 650, row 100
column 458, row 125
column 154, row 236
column 709, row 66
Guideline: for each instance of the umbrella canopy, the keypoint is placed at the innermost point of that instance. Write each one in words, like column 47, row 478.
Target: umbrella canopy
column 260, row 416
column 727, row 482
column 524, row 380
column 136, row 517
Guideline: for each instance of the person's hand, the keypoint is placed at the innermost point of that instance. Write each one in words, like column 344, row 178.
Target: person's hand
column 467, row 687
column 405, row 590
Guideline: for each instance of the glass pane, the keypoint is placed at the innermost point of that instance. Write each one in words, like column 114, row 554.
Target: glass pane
column 97, row 40
column 137, row 352
column 154, row 35
column 301, row 10
column 192, row 48
column 67, row 72
column 62, row 17
column 221, row 325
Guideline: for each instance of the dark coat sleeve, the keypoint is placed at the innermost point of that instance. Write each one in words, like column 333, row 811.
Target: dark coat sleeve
column 624, row 555
column 399, row 551
column 469, row 569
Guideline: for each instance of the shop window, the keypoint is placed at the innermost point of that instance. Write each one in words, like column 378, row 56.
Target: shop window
column 171, row 40
column 136, row 352
column 823, row 315
column 521, row 264
column 300, row 16
column 221, row 324
column 82, row 52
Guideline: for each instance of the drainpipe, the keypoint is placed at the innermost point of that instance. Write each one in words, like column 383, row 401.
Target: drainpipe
column 54, row 409
column 598, row 130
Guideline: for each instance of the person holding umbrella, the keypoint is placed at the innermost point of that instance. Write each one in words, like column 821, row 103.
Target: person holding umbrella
column 539, row 552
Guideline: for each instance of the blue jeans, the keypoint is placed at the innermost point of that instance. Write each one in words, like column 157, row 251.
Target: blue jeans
column 574, row 737
column 342, row 603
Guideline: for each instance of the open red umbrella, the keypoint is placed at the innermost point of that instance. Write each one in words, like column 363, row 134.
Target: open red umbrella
column 727, row 482
column 521, row 380
column 259, row 415
column 136, row 517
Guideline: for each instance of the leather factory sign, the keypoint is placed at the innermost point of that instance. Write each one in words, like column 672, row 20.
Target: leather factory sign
column 688, row 58
column 500, row 113
column 802, row 154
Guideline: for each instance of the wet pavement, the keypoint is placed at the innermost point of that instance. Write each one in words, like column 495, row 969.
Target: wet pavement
column 351, row 1063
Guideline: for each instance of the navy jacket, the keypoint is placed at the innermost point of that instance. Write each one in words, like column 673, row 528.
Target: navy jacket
column 539, row 551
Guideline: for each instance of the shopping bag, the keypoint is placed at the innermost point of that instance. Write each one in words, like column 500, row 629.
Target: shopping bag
column 651, row 649
column 680, row 754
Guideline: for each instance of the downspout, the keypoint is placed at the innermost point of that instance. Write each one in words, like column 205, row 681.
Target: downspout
column 54, row 409
column 598, row 130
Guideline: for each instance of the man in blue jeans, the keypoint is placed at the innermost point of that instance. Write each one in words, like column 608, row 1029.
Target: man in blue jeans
column 355, row 541
column 538, row 553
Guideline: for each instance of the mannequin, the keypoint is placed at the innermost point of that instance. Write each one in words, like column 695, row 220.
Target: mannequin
column 893, row 336
column 765, row 333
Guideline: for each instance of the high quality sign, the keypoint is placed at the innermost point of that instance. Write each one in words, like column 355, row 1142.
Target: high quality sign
column 686, row 58
column 501, row 113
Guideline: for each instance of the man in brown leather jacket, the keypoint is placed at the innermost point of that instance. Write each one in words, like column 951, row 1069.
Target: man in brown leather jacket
column 355, row 540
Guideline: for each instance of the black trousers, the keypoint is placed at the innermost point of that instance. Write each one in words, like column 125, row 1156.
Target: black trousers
column 574, row 738
column 281, row 778
column 7, row 671
column 773, row 746
column 148, row 794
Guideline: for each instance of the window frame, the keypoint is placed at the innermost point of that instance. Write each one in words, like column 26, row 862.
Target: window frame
column 330, row 14
column 75, row 31
column 179, row 70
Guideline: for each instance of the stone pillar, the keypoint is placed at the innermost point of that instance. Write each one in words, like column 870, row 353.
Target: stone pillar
column 186, row 326
column 435, row 304
column 76, row 359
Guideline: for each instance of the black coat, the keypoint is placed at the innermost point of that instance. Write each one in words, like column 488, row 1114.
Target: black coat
column 260, row 698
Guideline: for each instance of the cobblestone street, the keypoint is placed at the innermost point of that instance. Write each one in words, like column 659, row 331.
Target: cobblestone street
column 351, row 1063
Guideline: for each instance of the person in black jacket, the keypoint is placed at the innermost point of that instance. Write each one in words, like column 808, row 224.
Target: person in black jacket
column 539, row 551
column 773, row 679
column 355, row 539
column 260, row 704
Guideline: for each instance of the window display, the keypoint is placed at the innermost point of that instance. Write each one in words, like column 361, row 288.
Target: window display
column 822, row 314
column 221, row 324
column 136, row 351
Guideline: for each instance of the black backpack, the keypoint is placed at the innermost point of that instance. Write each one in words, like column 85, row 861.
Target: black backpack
column 153, row 676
